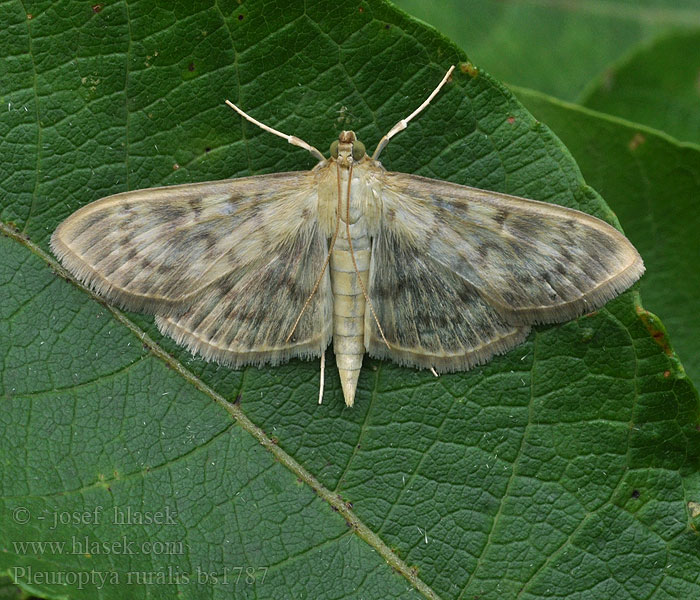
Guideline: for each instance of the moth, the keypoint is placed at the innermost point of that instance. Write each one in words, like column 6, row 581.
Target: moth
column 423, row 272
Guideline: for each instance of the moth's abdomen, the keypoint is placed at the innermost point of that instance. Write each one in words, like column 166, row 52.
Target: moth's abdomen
column 349, row 305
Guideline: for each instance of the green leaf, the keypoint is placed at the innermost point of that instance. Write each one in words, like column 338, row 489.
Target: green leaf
column 653, row 183
column 567, row 464
column 8, row 591
column 553, row 47
column 657, row 85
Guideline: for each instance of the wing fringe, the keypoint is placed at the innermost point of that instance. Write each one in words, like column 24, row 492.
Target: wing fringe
column 422, row 359
column 210, row 352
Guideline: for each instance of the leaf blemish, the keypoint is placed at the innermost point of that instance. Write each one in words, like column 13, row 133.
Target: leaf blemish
column 468, row 68
column 637, row 140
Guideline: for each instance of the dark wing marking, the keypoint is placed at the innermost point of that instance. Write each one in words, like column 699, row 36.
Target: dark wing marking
column 430, row 316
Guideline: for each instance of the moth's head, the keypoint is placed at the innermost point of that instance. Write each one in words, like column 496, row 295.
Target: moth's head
column 347, row 145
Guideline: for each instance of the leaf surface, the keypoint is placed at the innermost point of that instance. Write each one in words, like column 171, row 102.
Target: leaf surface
column 555, row 47
column 658, row 85
column 653, row 183
column 567, row 464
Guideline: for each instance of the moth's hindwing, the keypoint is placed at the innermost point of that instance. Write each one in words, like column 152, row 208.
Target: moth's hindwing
column 430, row 316
column 246, row 317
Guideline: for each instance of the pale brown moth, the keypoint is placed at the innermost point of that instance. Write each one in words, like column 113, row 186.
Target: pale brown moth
column 427, row 273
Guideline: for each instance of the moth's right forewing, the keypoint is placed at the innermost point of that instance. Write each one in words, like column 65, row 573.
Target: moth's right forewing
column 157, row 250
column 531, row 261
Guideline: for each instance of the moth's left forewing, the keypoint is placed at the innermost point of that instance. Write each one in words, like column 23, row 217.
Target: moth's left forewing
column 531, row 261
column 155, row 250
column 226, row 266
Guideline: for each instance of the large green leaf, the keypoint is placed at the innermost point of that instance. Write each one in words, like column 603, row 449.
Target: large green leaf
column 565, row 467
column 653, row 184
column 658, row 85
column 555, row 47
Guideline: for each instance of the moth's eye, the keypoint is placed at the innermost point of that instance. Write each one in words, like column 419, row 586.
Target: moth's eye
column 334, row 149
column 358, row 150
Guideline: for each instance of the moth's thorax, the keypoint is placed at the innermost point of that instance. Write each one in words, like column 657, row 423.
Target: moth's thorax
column 359, row 197
column 363, row 194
